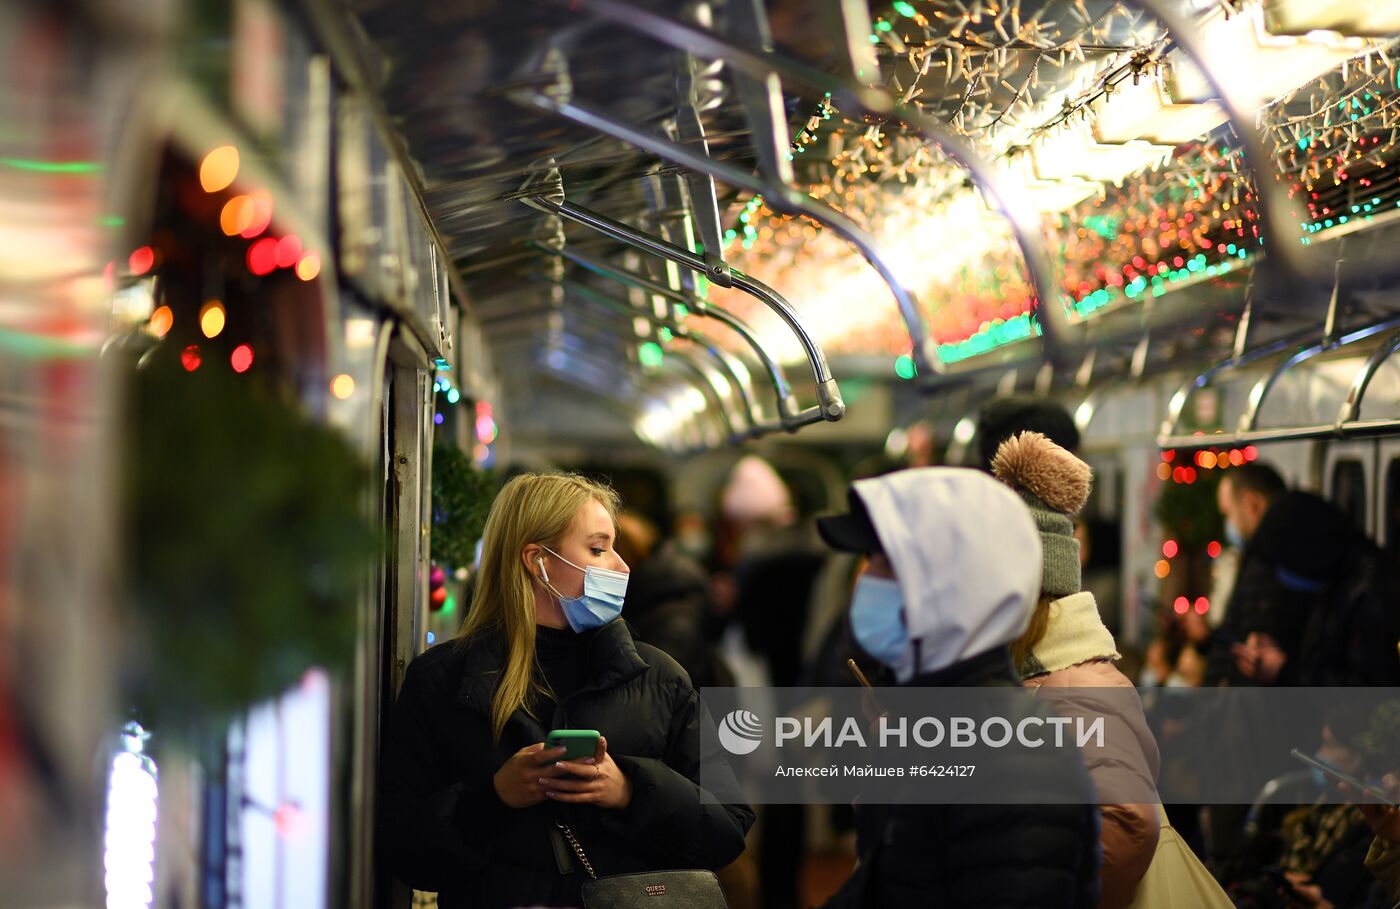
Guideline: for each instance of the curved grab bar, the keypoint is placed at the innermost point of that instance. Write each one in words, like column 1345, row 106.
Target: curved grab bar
column 731, row 375
column 735, row 434
column 829, row 404
column 699, row 306
column 1350, row 411
column 1055, row 326
column 1249, row 420
column 782, row 197
column 1247, row 431
column 1171, row 426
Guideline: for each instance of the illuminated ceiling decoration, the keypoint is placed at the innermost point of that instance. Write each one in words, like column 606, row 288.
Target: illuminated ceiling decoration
column 1105, row 129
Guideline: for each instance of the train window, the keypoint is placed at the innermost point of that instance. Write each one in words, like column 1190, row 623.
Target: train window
column 1392, row 505
column 1349, row 490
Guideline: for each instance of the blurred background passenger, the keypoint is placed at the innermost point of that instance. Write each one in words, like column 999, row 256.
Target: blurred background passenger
column 1244, row 496
column 954, row 566
column 668, row 600
column 1009, row 415
column 775, row 562
column 472, row 798
column 1316, row 856
column 1314, row 604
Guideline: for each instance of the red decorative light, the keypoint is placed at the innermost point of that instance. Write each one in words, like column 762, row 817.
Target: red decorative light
column 1168, row 456
column 190, row 358
column 1179, row 475
column 260, row 215
column 1236, row 457
column 1251, row 453
column 262, row 256
column 288, row 251
column 242, row 358
column 1202, row 605
column 1189, row 475
column 1213, row 549
column 1170, row 549
column 142, row 260
column 1181, row 605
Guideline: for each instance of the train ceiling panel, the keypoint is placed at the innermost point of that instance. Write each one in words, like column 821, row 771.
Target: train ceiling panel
column 983, row 155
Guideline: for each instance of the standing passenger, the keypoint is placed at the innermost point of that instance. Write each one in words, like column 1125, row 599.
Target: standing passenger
column 471, row 799
column 1067, row 646
column 954, row 563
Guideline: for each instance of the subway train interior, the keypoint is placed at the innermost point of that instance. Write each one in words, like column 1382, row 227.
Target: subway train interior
column 290, row 288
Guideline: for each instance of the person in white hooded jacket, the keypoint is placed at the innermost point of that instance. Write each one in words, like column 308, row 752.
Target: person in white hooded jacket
column 953, row 570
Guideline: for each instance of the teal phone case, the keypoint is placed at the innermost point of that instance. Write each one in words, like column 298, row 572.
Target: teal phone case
column 582, row 743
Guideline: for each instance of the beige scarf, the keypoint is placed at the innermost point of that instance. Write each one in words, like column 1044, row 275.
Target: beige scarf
column 1075, row 634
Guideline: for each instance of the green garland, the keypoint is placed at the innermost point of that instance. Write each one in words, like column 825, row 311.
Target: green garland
column 1188, row 511
column 462, row 496
column 248, row 546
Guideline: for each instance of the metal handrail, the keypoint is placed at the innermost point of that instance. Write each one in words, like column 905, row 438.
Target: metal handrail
column 1249, row 420
column 1347, row 424
column 829, row 407
column 699, row 306
column 1055, row 324
column 1350, row 411
column 731, row 375
column 1179, row 400
column 781, row 196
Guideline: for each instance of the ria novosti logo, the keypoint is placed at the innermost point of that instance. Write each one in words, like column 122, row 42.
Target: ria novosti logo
column 740, row 732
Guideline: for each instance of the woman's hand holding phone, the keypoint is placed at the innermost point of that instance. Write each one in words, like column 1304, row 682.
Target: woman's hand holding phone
column 595, row 781
column 521, row 780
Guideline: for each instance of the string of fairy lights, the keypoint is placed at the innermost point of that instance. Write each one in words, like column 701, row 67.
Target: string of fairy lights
column 1009, row 78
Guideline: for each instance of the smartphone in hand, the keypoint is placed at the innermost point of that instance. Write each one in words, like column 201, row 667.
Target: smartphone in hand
column 1338, row 774
column 581, row 743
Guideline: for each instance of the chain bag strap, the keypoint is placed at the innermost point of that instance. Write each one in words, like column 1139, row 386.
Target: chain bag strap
column 578, row 850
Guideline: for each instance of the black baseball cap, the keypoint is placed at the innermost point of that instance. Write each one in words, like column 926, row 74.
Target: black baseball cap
column 853, row 531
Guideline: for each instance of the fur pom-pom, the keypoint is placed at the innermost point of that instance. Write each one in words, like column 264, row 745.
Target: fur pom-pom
column 1031, row 462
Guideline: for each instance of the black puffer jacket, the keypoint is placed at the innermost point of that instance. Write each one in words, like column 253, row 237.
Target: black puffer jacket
column 444, row 828
column 1010, row 856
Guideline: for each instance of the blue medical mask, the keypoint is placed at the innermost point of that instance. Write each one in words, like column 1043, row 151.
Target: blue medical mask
column 601, row 601
column 877, row 620
column 1233, row 536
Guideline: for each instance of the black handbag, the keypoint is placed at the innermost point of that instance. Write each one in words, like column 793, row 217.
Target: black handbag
column 690, row 889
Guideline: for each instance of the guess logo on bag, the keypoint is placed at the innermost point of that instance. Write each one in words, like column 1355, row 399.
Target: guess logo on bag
column 656, row 889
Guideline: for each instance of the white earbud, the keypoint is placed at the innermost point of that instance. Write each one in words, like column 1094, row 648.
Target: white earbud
column 544, row 575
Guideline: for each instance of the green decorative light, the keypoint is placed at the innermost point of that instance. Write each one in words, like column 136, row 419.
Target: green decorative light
column 665, row 335
column 650, row 354
column 52, row 167
column 904, row 367
column 905, row 9
column 453, row 396
column 111, row 221
column 884, row 26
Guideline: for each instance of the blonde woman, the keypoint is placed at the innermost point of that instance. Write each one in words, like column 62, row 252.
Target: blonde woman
column 472, row 798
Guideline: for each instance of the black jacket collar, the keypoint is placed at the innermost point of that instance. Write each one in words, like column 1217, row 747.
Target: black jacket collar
column 612, row 661
column 991, row 667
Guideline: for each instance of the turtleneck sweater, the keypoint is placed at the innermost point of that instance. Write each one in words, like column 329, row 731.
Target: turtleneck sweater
column 562, row 656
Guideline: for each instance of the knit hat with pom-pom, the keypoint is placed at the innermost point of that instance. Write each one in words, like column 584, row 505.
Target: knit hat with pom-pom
column 1055, row 485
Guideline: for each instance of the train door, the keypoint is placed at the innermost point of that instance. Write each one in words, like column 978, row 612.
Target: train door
column 1387, row 495
column 1349, row 474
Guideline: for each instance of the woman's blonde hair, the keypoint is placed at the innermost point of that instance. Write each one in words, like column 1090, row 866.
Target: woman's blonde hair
column 531, row 508
column 1035, row 631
